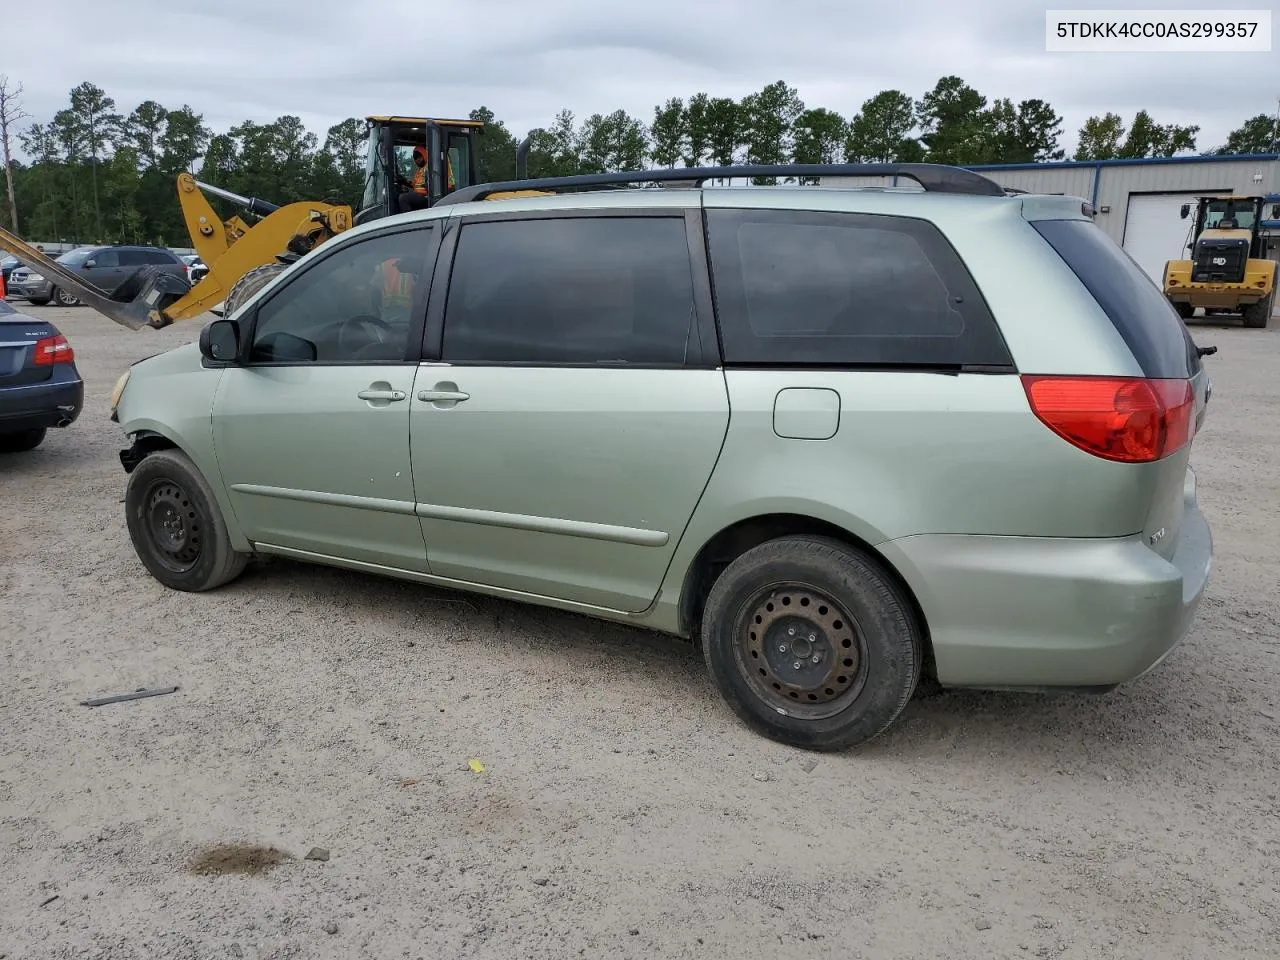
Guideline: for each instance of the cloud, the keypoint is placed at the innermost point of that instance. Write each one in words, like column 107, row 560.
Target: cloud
column 324, row 60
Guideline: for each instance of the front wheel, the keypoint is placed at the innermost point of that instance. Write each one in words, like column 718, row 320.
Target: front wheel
column 811, row 643
column 64, row 299
column 177, row 529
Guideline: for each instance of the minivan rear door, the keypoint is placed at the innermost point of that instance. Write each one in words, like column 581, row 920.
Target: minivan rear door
column 572, row 414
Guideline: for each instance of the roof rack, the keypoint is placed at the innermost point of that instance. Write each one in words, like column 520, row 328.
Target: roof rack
column 934, row 178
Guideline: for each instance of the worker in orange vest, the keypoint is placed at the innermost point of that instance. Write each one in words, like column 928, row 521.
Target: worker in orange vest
column 397, row 292
column 419, row 193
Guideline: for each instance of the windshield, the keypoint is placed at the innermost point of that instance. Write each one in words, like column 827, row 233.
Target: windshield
column 9, row 262
column 1219, row 210
column 375, row 179
column 375, row 186
column 74, row 257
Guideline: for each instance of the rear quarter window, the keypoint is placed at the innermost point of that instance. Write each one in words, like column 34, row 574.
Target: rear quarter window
column 134, row 258
column 1148, row 323
column 832, row 289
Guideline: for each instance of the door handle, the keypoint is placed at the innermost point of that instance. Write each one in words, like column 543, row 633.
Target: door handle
column 443, row 396
column 381, row 394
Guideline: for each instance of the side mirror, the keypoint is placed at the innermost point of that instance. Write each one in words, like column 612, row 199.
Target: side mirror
column 1186, row 211
column 90, row 264
column 220, row 341
column 1275, row 211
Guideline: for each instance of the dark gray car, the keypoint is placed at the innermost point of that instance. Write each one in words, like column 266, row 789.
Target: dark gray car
column 106, row 267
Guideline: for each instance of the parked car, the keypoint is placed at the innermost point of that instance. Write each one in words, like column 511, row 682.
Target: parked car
column 40, row 386
column 7, row 266
column 940, row 434
column 106, row 267
column 196, row 268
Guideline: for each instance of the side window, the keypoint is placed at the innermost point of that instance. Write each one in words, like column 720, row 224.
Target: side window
column 158, row 257
column 355, row 305
column 106, row 258
column 572, row 290
column 800, row 287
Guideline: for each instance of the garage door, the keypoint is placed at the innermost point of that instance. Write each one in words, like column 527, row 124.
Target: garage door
column 1153, row 231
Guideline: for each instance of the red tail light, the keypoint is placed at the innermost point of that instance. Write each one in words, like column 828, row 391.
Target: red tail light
column 51, row 350
column 1130, row 420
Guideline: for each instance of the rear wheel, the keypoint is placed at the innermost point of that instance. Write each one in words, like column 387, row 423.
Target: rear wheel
column 249, row 284
column 811, row 643
column 177, row 529
column 21, row 440
column 1257, row 314
column 1185, row 310
column 64, row 299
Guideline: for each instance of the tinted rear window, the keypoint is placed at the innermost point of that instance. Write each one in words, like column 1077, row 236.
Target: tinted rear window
column 134, row 258
column 1154, row 332
column 817, row 288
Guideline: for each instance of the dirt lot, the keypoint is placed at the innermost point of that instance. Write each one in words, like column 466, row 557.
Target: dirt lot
column 621, row 811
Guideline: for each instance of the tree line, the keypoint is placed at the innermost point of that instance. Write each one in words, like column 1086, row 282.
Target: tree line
column 95, row 173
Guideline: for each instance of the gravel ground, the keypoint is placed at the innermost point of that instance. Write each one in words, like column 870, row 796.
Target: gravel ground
column 621, row 810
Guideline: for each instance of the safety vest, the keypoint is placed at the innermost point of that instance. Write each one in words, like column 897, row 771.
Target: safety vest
column 397, row 289
column 420, row 177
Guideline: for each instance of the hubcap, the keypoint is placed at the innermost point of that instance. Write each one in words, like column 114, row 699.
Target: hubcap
column 173, row 526
column 801, row 651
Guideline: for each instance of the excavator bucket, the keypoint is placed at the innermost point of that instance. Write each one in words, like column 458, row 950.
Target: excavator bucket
column 138, row 302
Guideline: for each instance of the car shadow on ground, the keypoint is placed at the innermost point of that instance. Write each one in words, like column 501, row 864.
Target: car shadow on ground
column 1035, row 730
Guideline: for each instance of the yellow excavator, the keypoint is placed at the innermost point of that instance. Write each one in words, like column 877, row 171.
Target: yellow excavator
column 1229, row 271
column 243, row 257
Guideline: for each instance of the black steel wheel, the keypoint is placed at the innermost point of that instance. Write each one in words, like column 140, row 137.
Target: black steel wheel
column 176, row 526
column 173, row 525
column 801, row 651
column 811, row 642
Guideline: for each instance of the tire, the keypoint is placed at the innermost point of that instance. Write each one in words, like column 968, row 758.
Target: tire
column 249, row 284
column 62, row 298
column 1257, row 314
column 1185, row 310
column 167, row 493
column 849, row 613
column 22, row 440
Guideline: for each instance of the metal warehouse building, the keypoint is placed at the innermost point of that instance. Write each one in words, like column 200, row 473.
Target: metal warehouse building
column 1137, row 201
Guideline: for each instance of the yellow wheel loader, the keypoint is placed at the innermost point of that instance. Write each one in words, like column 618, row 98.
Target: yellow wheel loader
column 243, row 257
column 1229, row 271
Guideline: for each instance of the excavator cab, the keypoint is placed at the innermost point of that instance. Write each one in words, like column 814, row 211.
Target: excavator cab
column 390, row 164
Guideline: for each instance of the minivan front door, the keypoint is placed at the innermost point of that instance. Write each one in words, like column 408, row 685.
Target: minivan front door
column 312, row 431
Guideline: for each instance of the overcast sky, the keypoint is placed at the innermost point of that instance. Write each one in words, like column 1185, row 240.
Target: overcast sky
column 324, row 60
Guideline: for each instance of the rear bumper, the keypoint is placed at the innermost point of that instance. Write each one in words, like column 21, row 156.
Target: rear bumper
column 53, row 403
column 1213, row 295
column 1030, row 612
